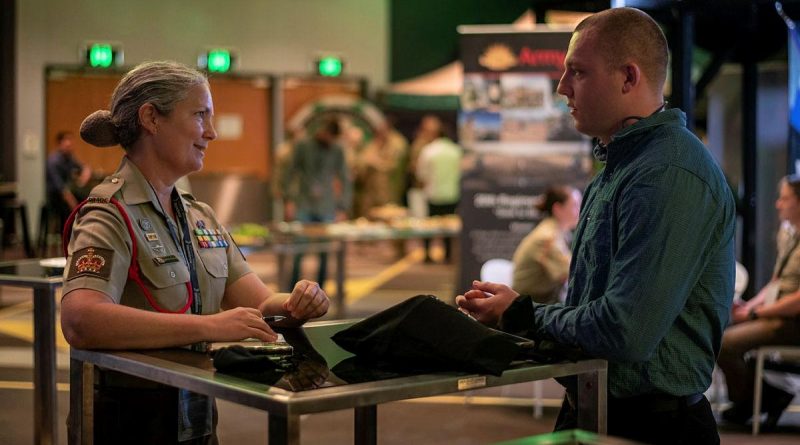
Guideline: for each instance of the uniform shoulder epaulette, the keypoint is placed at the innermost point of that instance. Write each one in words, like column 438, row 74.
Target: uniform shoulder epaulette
column 105, row 190
column 186, row 195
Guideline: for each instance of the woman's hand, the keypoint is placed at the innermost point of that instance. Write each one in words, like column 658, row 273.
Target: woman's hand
column 307, row 300
column 237, row 324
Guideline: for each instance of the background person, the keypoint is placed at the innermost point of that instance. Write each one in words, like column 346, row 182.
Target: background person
column 770, row 318
column 541, row 261
column 439, row 172
column 66, row 175
column 651, row 280
column 377, row 167
column 430, row 127
column 195, row 284
column 323, row 189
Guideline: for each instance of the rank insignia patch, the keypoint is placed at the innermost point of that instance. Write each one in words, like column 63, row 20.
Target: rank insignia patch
column 91, row 261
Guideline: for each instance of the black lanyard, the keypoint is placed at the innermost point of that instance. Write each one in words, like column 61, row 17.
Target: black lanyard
column 185, row 245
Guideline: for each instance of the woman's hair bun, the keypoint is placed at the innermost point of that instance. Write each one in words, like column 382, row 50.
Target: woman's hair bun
column 98, row 130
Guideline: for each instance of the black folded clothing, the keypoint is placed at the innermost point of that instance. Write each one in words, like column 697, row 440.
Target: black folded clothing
column 238, row 361
column 425, row 334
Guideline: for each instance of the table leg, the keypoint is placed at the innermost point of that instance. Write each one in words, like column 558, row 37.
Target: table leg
column 81, row 403
column 366, row 425
column 284, row 430
column 44, row 366
column 341, row 296
column 283, row 285
column 592, row 395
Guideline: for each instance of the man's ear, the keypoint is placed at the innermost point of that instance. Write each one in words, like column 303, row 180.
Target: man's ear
column 148, row 118
column 633, row 77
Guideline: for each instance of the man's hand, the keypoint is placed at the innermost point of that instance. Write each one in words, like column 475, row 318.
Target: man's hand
column 486, row 301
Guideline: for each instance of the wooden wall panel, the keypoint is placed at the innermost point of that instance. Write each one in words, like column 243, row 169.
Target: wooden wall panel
column 298, row 91
column 71, row 96
column 249, row 101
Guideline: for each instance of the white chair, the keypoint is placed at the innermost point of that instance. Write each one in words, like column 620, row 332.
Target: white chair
column 717, row 389
column 776, row 353
column 500, row 270
column 740, row 283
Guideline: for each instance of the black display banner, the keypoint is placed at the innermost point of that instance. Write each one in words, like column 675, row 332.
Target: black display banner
column 519, row 138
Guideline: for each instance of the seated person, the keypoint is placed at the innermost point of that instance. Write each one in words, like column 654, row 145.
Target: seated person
column 771, row 318
column 65, row 175
column 541, row 261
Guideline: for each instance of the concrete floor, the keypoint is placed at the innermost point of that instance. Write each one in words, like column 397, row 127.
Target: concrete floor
column 377, row 279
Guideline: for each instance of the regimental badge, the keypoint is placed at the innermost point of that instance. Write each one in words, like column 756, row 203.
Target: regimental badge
column 91, row 261
column 208, row 238
column 145, row 224
column 200, row 224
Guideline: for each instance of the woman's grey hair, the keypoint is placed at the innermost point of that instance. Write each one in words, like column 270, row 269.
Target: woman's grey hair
column 162, row 84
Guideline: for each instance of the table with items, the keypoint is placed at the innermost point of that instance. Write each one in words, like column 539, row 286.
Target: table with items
column 317, row 377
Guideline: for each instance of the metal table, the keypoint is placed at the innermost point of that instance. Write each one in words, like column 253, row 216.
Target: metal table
column 326, row 380
column 44, row 281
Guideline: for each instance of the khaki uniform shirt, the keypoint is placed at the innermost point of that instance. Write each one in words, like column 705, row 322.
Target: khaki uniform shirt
column 541, row 263
column 787, row 263
column 100, row 248
column 375, row 166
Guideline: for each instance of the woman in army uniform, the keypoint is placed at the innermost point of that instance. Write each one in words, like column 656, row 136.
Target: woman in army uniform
column 541, row 261
column 151, row 267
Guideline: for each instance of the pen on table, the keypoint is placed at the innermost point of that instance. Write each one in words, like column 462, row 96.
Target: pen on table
column 273, row 318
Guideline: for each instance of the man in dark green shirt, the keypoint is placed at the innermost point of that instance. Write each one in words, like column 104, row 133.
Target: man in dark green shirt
column 652, row 272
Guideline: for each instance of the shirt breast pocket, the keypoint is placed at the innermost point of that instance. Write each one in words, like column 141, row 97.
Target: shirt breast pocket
column 598, row 235
column 167, row 283
column 213, row 271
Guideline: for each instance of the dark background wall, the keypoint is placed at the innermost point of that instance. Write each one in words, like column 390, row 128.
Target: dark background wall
column 8, row 161
column 423, row 32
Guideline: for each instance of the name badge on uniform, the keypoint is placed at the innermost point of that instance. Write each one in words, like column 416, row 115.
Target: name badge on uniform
column 165, row 259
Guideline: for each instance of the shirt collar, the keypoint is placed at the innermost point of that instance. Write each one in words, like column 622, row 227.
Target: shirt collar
column 137, row 190
column 618, row 144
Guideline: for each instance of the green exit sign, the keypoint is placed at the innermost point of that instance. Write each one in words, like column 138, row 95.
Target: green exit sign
column 330, row 66
column 102, row 54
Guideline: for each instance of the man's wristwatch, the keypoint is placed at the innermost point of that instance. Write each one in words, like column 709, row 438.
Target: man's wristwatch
column 751, row 314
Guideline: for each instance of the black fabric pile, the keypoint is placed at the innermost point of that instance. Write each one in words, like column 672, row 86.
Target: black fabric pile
column 236, row 360
column 425, row 334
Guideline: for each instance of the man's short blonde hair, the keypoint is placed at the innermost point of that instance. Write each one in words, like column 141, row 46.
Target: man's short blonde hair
column 625, row 34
